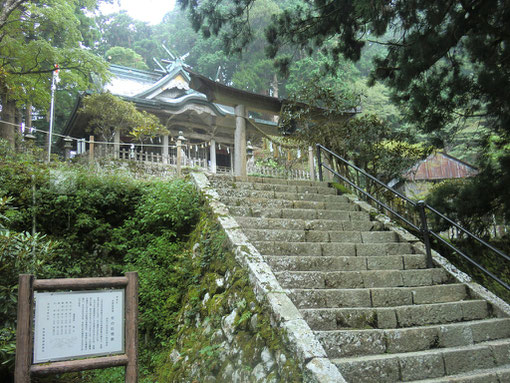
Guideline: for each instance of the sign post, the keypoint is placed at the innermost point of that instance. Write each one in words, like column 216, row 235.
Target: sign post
column 97, row 318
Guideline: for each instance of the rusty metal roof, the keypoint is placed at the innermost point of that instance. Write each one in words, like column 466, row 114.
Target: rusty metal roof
column 440, row 166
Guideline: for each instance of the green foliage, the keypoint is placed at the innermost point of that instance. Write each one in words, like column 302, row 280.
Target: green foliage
column 121, row 30
column 445, row 63
column 168, row 206
column 95, row 224
column 4, row 202
column 126, row 57
column 151, row 240
column 20, row 253
column 84, row 208
column 318, row 113
column 32, row 41
column 310, row 69
column 108, row 113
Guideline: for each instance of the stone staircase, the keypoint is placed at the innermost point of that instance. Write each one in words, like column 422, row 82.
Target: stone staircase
column 366, row 293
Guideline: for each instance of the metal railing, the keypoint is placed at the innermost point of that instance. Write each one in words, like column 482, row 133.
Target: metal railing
column 422, row 209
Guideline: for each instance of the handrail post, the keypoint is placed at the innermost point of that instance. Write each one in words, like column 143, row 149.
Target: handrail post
column 319, row 162
column 425, row 231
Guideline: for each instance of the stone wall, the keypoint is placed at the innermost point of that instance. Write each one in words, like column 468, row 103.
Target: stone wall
column 285, row 318
column 225, row 335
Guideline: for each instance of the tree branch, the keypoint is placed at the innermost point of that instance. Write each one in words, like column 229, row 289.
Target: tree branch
column 8, row 7
column 42, row 71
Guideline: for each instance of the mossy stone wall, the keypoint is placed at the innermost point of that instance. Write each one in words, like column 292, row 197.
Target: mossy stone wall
column 225, row 335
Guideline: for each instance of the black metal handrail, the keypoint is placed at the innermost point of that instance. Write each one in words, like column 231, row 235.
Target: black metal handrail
column 421, row 207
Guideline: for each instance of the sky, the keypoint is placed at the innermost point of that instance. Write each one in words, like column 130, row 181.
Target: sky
column 151, row 11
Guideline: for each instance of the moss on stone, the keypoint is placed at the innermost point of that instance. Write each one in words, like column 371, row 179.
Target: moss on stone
column 207, row 346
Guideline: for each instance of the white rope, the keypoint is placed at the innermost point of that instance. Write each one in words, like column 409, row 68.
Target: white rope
column 10, row 123
column 36, row 130
column 268, row 137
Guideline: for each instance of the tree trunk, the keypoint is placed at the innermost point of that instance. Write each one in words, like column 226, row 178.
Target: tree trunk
column 28, row 117
column 7, row 127
column 274, row 86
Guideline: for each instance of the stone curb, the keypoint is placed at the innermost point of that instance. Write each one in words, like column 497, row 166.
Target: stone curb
column 502, row 308
column 301, row 340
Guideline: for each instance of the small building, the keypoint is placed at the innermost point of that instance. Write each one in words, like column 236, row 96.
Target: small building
column 437, row 167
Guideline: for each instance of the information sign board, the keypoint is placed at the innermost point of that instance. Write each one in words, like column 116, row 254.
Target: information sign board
column 78, row 323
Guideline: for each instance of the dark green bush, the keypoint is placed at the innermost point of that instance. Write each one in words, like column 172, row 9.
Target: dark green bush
column 94, row 224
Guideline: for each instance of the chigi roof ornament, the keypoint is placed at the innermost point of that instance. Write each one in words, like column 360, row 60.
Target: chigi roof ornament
column 171, row 63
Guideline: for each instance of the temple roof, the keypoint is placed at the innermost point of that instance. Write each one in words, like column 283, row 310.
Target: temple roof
column 169, row 91
column 439, row 166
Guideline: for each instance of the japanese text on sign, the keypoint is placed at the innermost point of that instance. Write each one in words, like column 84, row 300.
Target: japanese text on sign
column 79, row 323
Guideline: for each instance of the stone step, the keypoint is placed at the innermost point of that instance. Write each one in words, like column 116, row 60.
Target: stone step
column 364, row 291
column 327, row 319
column 286, row 195
column 321, row 236
column 333, row 248
column 218, row 180
column 305, row 224
column 491, row 375
column 346, row 263
column 291, row 213
column 348, row 343
column 378, row 297
column 433, row 363
column 322, row 189
column 287, row 204
column 362, row 279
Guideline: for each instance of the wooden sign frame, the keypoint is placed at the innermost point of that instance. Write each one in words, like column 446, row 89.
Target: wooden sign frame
column 24, row 368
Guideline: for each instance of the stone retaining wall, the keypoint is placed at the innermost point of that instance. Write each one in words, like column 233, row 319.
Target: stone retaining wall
column 299, row 338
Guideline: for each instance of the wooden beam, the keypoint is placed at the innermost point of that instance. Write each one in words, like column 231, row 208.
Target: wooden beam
column 23, row 329
column 79, row 283
column 226, row 95
column 219, row 137
column 79, row 365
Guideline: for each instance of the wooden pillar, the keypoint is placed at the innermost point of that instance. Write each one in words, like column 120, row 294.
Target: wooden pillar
column 116, row 144
column 240, row 142
column 132, row 327
column 311, row 163
column 165, row 149
column 213, row 155
column 91, row 148
column 23, row 330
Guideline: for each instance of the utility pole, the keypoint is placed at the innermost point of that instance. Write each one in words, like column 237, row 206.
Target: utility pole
column 54, row 81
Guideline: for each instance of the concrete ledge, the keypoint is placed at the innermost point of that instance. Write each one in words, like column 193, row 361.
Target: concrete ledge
column 316, row 368
column 300, row 339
